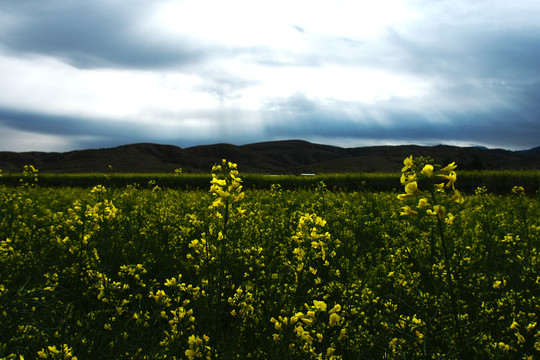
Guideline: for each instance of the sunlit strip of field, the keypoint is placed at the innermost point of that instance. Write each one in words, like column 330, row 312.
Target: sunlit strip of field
column 497, row 181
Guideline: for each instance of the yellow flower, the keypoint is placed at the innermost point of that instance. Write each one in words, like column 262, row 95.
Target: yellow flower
column 407, row 177
column 452, row 177
column 422, row 203
column 439, row 211
column 458, row 197
column 404, row 196
column 408, row 162
column 334, row 319
column 218, row 182
column 406, row 210
column 428, row 170
column 449, row 167
column 190, row 354
column 412, row 188
column 336, row 308
column 319, row 305
column 514, row 325
column 277, row 324
column 223, row 194
column 403, row 178
column 53, row 349
column 304, row 335
column 439, row 187
column 330, row 351
column 194, row 340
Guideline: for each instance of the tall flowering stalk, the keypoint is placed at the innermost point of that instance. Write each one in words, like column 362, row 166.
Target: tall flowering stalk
column 29, row 177
column 226, row 188
column 434, row 187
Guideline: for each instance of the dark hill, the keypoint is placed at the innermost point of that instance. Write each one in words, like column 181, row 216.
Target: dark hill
column 277, row 157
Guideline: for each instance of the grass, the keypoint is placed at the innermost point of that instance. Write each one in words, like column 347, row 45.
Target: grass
column 500, row 181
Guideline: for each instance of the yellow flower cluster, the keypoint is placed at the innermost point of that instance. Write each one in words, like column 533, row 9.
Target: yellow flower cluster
column 147, row 272
column 305, row 332
column 29, row 176
column 423, row 172
column 64, row 353
column 226, row 188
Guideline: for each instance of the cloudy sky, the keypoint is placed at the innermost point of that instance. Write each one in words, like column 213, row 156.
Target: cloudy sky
column 78, row 74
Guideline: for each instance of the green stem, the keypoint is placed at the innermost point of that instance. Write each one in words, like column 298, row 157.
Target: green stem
column 522, row 210
column 450, row 282
column 219, row 308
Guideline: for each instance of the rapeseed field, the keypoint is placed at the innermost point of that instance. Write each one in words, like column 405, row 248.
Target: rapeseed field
column 143, row 272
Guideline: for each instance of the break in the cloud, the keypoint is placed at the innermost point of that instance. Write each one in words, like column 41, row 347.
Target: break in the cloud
column 102, row 73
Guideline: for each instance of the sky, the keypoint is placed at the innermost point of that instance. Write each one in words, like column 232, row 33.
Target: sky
column 81, row 74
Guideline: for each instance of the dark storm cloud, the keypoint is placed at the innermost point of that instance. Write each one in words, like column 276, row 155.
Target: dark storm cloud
column 86, row 133
column 35, row 122
column 441, row 51
column 83, row 132
column 78, row 132
column 398, row 121
column 477, row 51
column 92, row 34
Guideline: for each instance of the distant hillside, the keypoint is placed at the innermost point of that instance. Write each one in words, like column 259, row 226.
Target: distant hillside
column 277, row 157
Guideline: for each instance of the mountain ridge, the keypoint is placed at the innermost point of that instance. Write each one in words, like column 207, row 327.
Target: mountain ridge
column 274, row 157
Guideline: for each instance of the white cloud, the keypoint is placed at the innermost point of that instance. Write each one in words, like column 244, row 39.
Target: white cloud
column 44, row 84
column 280, row 24
column 211, row 71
